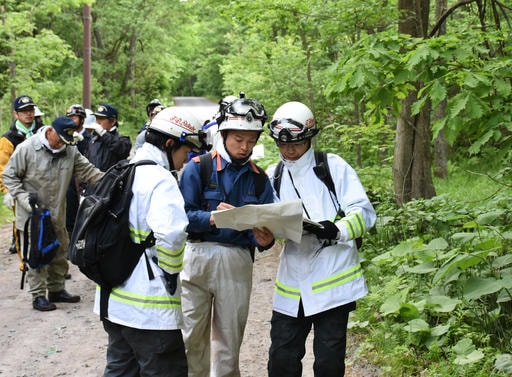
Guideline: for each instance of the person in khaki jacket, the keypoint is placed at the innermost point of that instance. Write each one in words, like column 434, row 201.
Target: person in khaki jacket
column 44, row 165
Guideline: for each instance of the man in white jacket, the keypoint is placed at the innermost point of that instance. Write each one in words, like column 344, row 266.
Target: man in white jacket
column 144, row 316
column 319, row 279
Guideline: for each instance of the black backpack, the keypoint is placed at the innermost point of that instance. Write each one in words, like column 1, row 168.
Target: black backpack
column 100, row 244
column 324, row 174
column 43, row 244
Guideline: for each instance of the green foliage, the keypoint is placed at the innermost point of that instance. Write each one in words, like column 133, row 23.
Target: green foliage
column 440, row 280
column 379, row 69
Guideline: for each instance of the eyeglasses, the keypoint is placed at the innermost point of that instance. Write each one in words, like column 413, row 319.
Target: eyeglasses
column 26, row 110
column 299, row 144
column 244, row 106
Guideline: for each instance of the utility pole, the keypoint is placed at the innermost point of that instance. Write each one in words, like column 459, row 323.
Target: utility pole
column 86, row 95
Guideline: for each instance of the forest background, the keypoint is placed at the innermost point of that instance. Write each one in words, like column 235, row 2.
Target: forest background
column 415, row 94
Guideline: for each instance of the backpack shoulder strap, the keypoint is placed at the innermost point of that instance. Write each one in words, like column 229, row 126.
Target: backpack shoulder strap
column 277, row 177
column 259, row 179
column 205, row 168
column 322, row 171
column 205, row 171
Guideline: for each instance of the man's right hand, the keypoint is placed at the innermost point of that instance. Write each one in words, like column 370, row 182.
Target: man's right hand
column 8, row 201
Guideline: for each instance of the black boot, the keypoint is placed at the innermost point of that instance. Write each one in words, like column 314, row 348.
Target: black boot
column 12, row 249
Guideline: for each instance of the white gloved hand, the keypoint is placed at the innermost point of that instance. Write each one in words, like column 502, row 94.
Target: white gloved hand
column 8, row 201
column 77, row 137
column 96, row 128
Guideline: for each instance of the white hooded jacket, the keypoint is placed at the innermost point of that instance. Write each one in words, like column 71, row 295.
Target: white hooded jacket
column 157, row 205
column 322, row 277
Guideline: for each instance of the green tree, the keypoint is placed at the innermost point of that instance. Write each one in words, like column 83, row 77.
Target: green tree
column 408, row 76
column 31, row 50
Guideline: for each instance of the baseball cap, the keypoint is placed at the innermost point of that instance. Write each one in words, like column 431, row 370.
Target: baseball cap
column 22, row 101
column 65, row 127
column 106, row 110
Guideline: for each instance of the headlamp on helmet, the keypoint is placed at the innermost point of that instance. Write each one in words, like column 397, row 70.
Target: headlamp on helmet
column 292, row 122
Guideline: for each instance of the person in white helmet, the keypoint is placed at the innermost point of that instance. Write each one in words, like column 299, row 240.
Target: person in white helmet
column 144, row 315
column 319, row 279
column 141, row 136
column 211, row 127
column 217, row 271
column 38, row 117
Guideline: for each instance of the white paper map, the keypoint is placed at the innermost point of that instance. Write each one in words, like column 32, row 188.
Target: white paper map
column 283, row 219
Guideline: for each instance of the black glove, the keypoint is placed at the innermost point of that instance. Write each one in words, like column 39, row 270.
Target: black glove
column 32, row 199
column 329, row 231
column 171, row 282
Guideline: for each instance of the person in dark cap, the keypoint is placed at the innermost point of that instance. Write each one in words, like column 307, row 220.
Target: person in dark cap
column 107, row 146
column 78, row 114
column 43, row 165
column 23, row 126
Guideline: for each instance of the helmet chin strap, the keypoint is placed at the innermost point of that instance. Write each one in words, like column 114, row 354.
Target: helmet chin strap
column 169, row 149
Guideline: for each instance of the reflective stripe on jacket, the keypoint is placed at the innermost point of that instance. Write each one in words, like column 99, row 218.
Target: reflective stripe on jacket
column 330, row 276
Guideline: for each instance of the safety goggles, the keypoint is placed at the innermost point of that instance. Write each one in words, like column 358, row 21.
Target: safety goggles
column 287, row 130
column 245, row 106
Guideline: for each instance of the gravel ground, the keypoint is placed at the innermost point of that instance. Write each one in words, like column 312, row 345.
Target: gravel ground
column 70, row 341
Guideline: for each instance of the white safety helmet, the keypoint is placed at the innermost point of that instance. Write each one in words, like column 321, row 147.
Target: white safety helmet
column 226, row 101
column 37, row 112
column 181, row 125
column 244, row 114
column 293, row 121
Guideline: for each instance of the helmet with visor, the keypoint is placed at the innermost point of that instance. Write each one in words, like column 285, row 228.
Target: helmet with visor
column 292, row 122
column 244, row 114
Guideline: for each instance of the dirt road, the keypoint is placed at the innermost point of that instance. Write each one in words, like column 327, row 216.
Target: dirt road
column 70, row 341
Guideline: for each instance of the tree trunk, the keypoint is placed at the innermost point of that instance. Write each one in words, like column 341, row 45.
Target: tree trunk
column 412, row 165
column 127, row 86
column 441, row 148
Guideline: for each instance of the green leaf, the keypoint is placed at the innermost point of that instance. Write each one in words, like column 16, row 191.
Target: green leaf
column 466, row 352
column 460, row 262
column 407, row 247
column 440, row 330
column 391, row 305
column 442, row 304
column 417, row 325
column 488, row 217
column 463, row 237
column 438, row 244
column 503, row 363
column 437, row 93
column 470, row 358
column 477, row 287
column 458, row 104
column 423, row 268
column 409, row 311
